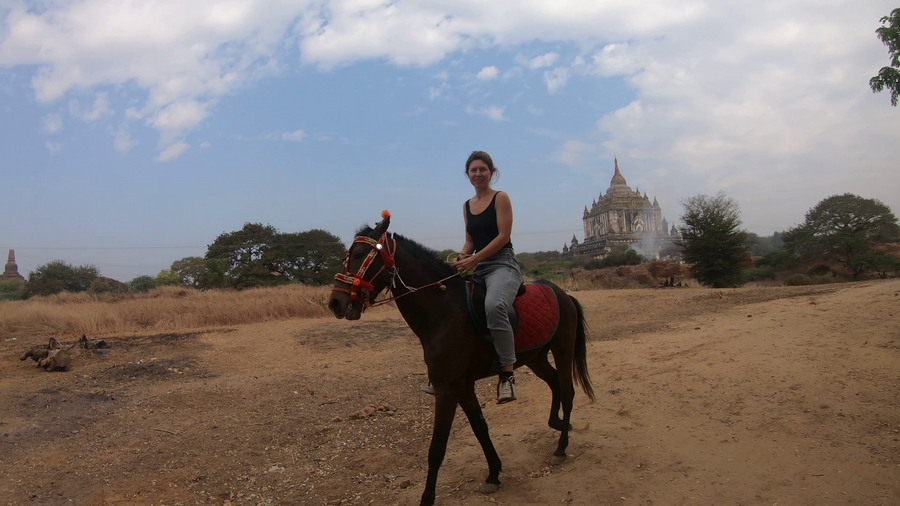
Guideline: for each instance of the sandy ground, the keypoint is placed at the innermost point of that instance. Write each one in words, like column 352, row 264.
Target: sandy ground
column 769, row 396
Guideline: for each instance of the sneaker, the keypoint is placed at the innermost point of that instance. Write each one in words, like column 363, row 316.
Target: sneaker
column 428, row 389
column 506, row 390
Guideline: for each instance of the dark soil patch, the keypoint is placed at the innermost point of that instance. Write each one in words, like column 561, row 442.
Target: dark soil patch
column 155, row 369
column 367, row 333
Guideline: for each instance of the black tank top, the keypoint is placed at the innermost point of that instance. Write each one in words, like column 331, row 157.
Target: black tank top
column 482, row 227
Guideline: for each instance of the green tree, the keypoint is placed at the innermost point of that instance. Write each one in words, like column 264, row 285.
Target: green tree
column 259, row 255
column 190, row 270
column 311, row 257
column 245, row 256
column 777, row 241
column 841, row 228
column 758, row 245
column 619, row 254
column 167, row 277
column 779, row 260
column 12, row 289
column 889, row 77
column 142, row 284
column 58, row 276
column 712, row 240
column 878, row 262
column 215, row 274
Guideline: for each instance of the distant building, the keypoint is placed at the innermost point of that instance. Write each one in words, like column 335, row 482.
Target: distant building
column 11, row 272
column 622, row 216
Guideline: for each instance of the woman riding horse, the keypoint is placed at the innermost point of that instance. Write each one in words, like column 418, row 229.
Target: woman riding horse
column 488, row 250
column 432, row 299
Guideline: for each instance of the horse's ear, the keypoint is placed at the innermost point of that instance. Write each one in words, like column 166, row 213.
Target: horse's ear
column 380, row 228
column 54, row 344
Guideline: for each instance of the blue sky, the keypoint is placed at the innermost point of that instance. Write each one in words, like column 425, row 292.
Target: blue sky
column 134, row 133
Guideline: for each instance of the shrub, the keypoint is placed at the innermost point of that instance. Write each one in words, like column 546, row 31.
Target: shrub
column 797, row 280
column 819, row 270
column 593, row 264
column 108, row 285
column 757, row 274
column 12, row 290
column 623, row 271
column 142, row 284
column 58, row 276
column 801, row 279
column 779, row 260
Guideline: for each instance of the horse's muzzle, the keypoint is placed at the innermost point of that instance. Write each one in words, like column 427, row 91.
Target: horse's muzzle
column 340, row 308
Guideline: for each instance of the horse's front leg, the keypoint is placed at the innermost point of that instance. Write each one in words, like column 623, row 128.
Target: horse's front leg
column 469, row 402
column 445, row 403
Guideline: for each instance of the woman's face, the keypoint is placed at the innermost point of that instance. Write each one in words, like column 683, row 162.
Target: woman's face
column 479, row 174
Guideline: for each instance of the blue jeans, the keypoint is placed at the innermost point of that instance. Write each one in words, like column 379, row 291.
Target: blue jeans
column 502, row 276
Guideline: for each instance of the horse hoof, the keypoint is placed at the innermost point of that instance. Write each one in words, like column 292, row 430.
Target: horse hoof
column 489, row 488
column 557, row 460
column 559, row 426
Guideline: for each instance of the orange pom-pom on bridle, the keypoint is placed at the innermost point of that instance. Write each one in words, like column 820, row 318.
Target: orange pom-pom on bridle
column 385, row 214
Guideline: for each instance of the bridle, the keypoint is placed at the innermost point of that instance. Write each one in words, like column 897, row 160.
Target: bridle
column 359, row 289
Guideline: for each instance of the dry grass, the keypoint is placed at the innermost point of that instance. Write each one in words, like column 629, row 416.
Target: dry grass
column 628, row 277
column 163, row 309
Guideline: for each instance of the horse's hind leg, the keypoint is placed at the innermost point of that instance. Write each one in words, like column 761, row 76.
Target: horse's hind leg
column 469, row 403
column 542, row 368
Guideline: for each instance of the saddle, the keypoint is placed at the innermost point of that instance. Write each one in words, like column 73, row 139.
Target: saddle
column 476, row 290
column 534, row 315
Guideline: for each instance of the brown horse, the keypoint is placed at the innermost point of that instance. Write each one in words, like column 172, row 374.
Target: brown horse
column 432, row 300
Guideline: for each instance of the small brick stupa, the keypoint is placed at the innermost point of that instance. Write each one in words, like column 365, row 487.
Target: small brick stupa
column 12, row 270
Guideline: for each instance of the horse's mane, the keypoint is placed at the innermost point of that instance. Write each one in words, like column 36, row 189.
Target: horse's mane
column 425, row 255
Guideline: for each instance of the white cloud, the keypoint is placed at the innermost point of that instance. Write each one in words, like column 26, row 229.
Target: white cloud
column 52, row 123
column 488, row 73
column 767, row 107
column 172, row 152
column 775, row 92
column 619, row 59
column 178, row 117
column 205, row 144
column 492, row 111
column 179, row 55
column 538, row 62
column 185, row 59
column 534, row 110
column 123, row 141
column 99, row 109
column 556, row 79
column 53, row 147
column 295, row 136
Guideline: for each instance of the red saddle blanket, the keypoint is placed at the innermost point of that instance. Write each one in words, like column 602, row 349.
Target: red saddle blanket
column 538, row 312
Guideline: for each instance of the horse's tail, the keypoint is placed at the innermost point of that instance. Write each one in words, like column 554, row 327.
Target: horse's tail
column 580, row 371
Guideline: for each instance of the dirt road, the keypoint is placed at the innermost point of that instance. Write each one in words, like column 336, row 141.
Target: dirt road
column 787, row 396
